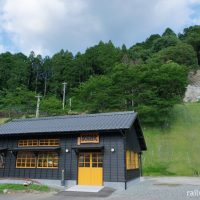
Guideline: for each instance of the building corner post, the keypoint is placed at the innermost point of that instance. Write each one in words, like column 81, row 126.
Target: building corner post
column 124, row 141
column 141, row 171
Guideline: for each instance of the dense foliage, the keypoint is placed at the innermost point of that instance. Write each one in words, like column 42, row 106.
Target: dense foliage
column 149, row 77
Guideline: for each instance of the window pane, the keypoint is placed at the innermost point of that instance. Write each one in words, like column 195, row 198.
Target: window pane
column 81, row 164
column 26, row 159
column 100, row 165
column 49, row 142
column 48, row 160
column 100, row 159
column 22, row 164
column 94, row 159
column 87, row 159
column 55, row 164
column 29, row 142
column 2, row 159
column 94, row 164
column 87, row 164
column 81, row 158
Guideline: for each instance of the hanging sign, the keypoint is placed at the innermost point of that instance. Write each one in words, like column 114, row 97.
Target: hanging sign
column 89, row 138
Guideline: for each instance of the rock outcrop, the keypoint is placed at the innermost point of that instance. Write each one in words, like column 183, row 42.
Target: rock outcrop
column 192, row 93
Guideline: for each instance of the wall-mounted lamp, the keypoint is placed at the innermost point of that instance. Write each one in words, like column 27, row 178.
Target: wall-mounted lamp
column 67, row 150
column 112, row 150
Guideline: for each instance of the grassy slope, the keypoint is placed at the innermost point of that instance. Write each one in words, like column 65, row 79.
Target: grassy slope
column 175, row 151
column 2, row 120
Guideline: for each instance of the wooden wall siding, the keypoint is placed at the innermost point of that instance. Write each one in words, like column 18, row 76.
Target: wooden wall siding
column 132, row 143
column 113, row 163
column 132, row 174
column 10, row 169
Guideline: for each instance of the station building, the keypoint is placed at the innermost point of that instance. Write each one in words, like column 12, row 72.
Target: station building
column 89, row 149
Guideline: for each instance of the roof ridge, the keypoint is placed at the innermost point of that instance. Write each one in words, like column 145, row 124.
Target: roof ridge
column 74, row 116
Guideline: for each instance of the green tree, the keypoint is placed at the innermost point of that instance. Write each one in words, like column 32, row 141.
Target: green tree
column 181, row 53
column 45, row 75
column 159, row 88
column 102, row 57
column 169, row 32
column 51, row 105
column 149, row 89
column 62, row 66
column 35, row 63
column 140, row 52
column 191, row 36
column 96, row 95
column 13, row 71
column 19, row 101
column 164, row 42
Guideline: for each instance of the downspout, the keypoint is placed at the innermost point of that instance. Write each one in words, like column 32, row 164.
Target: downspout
column 124, row 142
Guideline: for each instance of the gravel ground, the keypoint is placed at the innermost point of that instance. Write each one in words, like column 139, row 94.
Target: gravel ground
column 157, row 189
column 175, row 188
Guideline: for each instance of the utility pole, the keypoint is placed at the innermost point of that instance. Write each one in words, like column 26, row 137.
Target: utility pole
column 70, row 104
column 64, row 93
column 38, row 106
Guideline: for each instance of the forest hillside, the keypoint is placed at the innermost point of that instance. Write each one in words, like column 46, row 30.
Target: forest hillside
column 149, row 77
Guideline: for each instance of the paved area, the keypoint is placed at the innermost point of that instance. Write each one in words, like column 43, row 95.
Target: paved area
column 160, row 188
column 84, row 188
column 103, row 193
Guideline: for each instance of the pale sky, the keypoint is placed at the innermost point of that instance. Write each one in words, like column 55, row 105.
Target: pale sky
column 47, row 26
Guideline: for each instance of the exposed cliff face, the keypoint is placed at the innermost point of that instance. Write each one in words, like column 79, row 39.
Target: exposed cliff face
column 192, row 93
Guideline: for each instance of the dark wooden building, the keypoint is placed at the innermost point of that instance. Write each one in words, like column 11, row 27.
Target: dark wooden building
column 92, row 149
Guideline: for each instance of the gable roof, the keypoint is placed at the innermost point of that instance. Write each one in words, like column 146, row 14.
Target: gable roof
column 71, row 123
column 68, row 123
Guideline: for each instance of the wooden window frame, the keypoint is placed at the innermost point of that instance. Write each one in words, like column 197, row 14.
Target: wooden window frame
column 98, row 162
column 132, row 160
column 136, row 161
column 84, row 163
column 28, row 143
column 25, row 160
column 47, row 159
column 2, row 159
column 128, row 159
column 53, row 142
column 90, row 155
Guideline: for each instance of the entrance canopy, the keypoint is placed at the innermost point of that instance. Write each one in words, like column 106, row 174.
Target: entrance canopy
column 36, row 149
column 3, row 149
column 88, row 148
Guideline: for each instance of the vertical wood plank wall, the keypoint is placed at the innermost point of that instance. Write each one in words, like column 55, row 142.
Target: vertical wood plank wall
column 113, row 162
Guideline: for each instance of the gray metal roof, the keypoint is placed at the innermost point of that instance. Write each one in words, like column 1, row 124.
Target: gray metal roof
column 70, row 123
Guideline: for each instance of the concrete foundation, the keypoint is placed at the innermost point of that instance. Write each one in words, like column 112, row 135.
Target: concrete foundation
column 69, row 183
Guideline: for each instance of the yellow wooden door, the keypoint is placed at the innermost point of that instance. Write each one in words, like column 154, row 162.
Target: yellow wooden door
column 90, row 168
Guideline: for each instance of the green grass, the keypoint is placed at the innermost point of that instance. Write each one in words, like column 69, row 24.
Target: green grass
column 3, row 120
column 175, row 151
column 10, row 186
